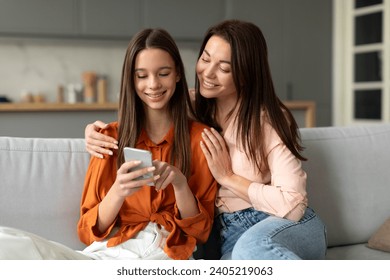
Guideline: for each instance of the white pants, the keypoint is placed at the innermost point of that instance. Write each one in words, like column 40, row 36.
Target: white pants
column 148, row 244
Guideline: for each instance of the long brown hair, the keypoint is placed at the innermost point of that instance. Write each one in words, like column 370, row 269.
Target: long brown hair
column 255, row 90
column 131, row 115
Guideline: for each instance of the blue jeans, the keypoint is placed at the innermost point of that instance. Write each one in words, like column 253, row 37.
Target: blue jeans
column 254, row 235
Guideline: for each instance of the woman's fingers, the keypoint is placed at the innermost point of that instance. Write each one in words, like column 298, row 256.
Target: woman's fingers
column 213, row 140
column 98, row 144
column 98, row 139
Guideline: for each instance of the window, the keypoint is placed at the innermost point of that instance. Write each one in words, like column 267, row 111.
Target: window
column 361, row 78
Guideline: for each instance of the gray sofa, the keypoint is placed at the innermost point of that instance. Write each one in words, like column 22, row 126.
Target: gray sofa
column 41, row 181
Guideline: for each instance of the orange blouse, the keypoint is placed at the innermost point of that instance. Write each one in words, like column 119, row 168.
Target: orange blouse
column 147, row 204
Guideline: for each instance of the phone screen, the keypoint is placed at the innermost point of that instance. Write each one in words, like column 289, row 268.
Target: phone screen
column 142, row 155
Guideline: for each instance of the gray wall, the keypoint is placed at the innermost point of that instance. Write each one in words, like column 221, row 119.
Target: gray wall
column 299, row 37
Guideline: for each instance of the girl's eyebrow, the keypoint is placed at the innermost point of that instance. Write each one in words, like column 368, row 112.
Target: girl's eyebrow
column 222, row 61
column 161, row 68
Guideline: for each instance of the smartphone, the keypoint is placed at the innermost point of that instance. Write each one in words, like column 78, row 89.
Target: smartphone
column 142, row 155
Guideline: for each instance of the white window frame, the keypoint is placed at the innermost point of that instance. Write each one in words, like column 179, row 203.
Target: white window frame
column 343, row 62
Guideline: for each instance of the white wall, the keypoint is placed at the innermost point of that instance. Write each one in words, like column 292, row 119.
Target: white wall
column 40, row 65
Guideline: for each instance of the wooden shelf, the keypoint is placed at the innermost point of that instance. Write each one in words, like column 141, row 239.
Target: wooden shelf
column 55, row 107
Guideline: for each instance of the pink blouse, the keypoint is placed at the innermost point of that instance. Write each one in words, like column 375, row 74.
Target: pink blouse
column 278, row 191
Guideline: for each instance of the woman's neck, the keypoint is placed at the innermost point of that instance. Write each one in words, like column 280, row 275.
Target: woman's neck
column 224, row 107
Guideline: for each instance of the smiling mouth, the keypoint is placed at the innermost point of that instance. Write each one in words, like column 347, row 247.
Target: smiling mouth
column 208, row 84
column 154, row 95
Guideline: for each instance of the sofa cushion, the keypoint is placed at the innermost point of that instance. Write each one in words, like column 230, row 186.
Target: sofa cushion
column 348, row 179
column 380, row 240
column 355, row 252
column 41, row 185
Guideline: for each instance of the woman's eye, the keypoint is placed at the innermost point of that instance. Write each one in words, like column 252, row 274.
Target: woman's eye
column 205, row 59
column 164, row 74
column 225, row 70
column 141, row 77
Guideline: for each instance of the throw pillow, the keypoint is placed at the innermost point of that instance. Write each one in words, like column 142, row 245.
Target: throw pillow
column 380, row 240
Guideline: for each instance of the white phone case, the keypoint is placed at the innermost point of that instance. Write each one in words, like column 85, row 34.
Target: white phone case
column 142, row 155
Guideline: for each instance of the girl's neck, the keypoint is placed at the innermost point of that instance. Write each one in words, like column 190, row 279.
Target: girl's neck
column 157, row 126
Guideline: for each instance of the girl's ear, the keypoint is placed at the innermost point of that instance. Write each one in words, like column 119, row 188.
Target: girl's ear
column 178, row 78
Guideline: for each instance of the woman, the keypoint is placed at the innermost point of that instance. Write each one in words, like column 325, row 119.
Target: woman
column 253, row 151
column 167, row 215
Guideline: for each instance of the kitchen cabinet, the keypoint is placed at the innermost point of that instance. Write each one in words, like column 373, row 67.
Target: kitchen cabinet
column 110, row 19
column 70, row 18
column 102, row 19
column 38, row 17
column 185, row 20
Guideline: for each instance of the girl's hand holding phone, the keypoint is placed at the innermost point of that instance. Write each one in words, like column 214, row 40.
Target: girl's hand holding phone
column 168, row 174
column 129, row 179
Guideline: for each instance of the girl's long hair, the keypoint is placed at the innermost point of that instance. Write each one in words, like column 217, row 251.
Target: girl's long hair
column 255, row 90
column 131, row 115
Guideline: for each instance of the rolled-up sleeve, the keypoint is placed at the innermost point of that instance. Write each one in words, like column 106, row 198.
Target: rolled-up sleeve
column 91, row 198
column 204, row 188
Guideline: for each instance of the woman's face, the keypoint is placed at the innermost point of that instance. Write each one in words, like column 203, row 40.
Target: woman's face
column 155, row 78
column 214, row 70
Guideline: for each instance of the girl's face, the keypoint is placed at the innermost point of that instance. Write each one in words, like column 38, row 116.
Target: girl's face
column 155, row 78
column 214, row 70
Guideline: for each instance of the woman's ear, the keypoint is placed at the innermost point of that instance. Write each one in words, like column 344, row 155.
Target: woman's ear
column 178, row 78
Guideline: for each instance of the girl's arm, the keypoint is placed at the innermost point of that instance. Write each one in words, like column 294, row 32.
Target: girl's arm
column 124, row 186
column 185, row 200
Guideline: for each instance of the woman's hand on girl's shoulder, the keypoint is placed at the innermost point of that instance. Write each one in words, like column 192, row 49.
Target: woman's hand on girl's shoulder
column 217, row 155
column 98, row 144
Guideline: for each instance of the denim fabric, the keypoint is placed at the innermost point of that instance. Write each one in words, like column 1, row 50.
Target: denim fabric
column 250, row 234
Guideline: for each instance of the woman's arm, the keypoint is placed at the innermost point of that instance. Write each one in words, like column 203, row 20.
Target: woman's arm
column 218, row 159
column 284, row 196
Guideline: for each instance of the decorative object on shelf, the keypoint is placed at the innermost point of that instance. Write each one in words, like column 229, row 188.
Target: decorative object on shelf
column 60, row 94
column 89, row 79
column 39, row 98
column 4, row 99
column 102, row 89
column 74, row 93
column 26, row 97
